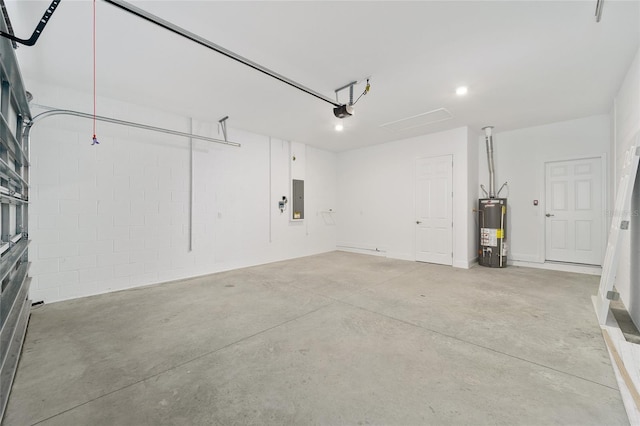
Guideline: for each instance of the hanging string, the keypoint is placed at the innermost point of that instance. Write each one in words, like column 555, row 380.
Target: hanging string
column 95, row 139
column 366, row 90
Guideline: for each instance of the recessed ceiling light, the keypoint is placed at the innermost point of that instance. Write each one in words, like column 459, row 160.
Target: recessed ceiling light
column 339, row 127
column 461, row 91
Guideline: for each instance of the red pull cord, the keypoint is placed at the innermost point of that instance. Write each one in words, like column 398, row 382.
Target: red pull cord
column 94, row 140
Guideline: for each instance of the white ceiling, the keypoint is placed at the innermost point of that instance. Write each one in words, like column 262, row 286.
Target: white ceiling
column 525, row 63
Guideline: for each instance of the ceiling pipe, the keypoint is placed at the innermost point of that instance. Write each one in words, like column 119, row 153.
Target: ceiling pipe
column 210, row 45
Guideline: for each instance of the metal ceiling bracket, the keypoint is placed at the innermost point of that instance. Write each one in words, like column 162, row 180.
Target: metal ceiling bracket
column 39, row 28
column 350, row 86
column 599, row 6
column 210, row 45
column 223, row 125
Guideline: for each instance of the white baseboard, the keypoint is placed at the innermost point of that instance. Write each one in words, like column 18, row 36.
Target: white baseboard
column 377, row 251
column 526, row 257
column 400, row 256
column 362, row 250
column 555, row 266
column 464, row 264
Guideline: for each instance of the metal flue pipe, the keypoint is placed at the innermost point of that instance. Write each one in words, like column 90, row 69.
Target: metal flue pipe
column 492, row 173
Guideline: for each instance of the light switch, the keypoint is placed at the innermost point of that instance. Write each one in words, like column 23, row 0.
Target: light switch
column 535, row 202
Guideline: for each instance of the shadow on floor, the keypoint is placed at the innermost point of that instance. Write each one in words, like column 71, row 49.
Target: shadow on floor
column 628, row 328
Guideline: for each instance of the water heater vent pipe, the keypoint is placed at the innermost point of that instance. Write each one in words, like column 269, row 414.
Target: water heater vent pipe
column 492, row 175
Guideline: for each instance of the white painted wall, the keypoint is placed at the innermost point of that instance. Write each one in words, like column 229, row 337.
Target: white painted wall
column 115, row 216
column 473, row 187
column 626, row 118
column 376, row 198
column 520, row 156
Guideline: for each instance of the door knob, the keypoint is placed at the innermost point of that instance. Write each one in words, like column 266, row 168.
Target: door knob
column 418, row 222
column 549, row 215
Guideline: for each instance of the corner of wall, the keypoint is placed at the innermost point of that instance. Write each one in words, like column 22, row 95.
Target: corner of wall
column 465, row 264
column 473, row 193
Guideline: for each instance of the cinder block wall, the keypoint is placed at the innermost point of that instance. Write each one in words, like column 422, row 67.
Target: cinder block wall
column 116, row 215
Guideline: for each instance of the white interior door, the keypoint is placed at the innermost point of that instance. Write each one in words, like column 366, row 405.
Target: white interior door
column 574, row 195
column 434, row 227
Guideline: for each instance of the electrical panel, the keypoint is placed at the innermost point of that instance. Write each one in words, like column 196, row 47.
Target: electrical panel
column 298, row 200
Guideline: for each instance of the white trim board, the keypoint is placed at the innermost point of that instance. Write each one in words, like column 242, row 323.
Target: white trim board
column 620, row 215
column 556, row 266
column 362, row 250
column 630, row 355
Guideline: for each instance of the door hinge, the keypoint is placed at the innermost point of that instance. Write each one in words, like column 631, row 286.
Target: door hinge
column 452, row 255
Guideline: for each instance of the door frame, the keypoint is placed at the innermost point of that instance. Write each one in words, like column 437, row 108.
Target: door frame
column 542, row 255
column 415, row 203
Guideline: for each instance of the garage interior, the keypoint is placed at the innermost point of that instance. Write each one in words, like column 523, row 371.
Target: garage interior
column 319, row 212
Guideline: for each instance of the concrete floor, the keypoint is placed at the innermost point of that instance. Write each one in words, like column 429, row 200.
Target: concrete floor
column 337, row 338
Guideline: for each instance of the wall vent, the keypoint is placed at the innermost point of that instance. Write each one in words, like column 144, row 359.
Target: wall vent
column 424, row 119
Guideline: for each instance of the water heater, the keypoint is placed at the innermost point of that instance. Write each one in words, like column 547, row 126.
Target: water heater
column 492, row 217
